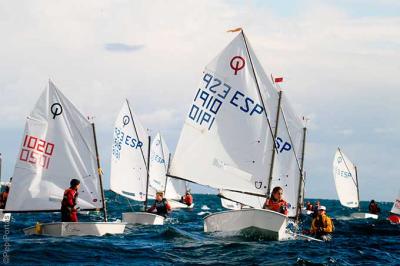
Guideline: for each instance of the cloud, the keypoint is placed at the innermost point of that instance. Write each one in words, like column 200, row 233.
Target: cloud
column 340, row 67
column 122, row 47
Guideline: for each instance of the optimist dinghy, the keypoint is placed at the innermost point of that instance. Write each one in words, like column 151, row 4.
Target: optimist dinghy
column 59, row 143
column 347, row 187
column 227, row 141
column 130, row 165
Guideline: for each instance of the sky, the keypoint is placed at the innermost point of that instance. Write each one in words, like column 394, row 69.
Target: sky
column 340, row 61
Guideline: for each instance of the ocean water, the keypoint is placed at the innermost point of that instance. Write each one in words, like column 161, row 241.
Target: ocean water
column 182, row 241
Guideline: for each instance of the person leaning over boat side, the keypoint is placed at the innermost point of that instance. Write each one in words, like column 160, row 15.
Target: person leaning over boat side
column 315, row 209
column 68, row 210
column 276, row 202
column 309, row 206
column 187, row 198
column 161, row 205
column 322, row 226
column 373, row 207
column 4, row 197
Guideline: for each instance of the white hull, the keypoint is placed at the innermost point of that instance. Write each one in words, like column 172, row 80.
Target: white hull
column 142, row 218
column 361, row 215
column 179, row 205
column 76, row 229
column 270, row 224
column 4, row 217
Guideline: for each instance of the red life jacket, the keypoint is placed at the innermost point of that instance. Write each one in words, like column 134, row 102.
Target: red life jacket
column 394, row 219
column 277, row 206
column 188, row 200
column 69, row 199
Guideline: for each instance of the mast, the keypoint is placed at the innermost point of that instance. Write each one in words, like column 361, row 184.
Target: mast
column 358, row 191
column 1, row 165
column 302, row 179
column 166, row 174
column 147, row 165
column 274, row 148
column 263, row 105
column 148, row 176
column 100, row 175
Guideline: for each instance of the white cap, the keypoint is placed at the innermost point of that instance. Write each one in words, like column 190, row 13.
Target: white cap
column 322, row 208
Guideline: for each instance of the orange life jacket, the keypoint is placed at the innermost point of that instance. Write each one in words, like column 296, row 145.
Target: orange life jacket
column 277, row 206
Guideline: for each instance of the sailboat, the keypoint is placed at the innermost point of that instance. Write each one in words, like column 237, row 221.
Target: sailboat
column 4, row 217
column 59, row 144
column 347, row 187
column 395, row 211
column 159, row 181
column 130, row 165
column 227, row 141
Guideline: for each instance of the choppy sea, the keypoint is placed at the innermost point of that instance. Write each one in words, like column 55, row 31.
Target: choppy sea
column 182, row 241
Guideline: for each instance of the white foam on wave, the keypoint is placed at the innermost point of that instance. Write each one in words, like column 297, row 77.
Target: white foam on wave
column 205, row 208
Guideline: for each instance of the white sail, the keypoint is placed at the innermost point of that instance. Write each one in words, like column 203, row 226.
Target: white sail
column 226, row 141
column 344, row 174
column 58, row 145
column 159, row 161
column 129, row 156
column 231, row 205
column 175, row 188
column 396, row 205
column 289, row 145
column 286, row 172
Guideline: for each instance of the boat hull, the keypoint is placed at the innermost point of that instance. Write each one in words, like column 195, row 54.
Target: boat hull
column 4, row 217
column 362, row 215
column 144, row 218
column 179, row 205
column 270, row 224
column 76, row 229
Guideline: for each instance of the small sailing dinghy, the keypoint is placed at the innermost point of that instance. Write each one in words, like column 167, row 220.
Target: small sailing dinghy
column 227, row 142
column 4, row 217
column 130, row 165
column 347, row 187
column 394, row 218
column 159, row 181
column 59, row 144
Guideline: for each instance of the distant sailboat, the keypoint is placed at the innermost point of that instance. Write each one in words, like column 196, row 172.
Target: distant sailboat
column 347, row 187
column 159, row 181
column 4, row 217
column 395, row 216
column 130, row 165
column 59, row 144
column 227, row 140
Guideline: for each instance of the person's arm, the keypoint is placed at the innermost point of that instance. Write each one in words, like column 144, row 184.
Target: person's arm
column 168, row 207
column 329, row 226
column 152, row 208
column 313, row 229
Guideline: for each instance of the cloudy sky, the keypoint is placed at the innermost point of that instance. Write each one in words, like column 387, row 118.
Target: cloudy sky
column 340, row 60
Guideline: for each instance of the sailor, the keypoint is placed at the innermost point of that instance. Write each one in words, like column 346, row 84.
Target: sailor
column 322, row 226
column 309, row 206
column 276, row 202
column 4, row 197
column 187, row 198
column 315, row 209
column 160, row 205
column 68, row 210
column 373, row 207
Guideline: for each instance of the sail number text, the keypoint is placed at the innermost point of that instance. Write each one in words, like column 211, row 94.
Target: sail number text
column 36, row 151
column 120, row 138
column 210, row 97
